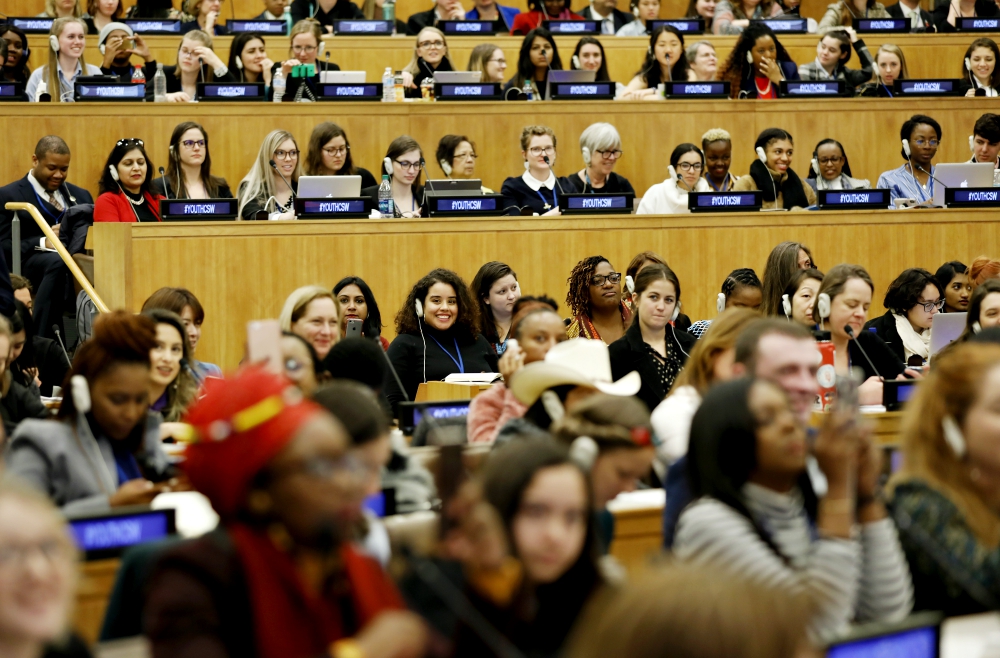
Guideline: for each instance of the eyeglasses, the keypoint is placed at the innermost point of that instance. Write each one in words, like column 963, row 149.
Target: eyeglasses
column 286, row 155
column 930, row 306
column 14, row 556
column 933, row 143
column 408, row 166
column 337, row 150
column 611, row 155
column 689, row 166
column 130, row 140
column 191, row 143
column 599, row 279
column 303, row 49
column 538, row 150
column 465, row 156
column 830, row 161
column 431, row 44
column 500, row 61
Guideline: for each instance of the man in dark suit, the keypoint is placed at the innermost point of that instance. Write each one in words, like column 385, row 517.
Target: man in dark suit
column 919, row 19
column 610, row 19
column 46, row 188
column 274, row 10
column 443, row 10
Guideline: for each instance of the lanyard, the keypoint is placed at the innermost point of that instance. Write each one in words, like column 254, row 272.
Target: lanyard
column 544, row 201
column 458, row 362
column 725, row 185
column 41, row 206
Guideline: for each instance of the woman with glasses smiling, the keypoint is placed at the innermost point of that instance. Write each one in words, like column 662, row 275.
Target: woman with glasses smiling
column 536, row 190
column 488, row 59
column 913, row 300
column 456, row 156
column 430, row 55
column 268, row 192
column 307, row 47
column 330, row 155
column 921, row 136
column 670, row 197
column 402, row 163
column 189, row 172
column 601, row 147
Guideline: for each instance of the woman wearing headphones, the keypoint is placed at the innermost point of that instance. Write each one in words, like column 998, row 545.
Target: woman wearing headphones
column 981, row 70
column 784, row 261
column 829, row 169
column 536, row 189
column 206, row 17
column 248, row 60
column 665, row 62
column 601, row 147
column 126, row 193
column 196, row 62
column 703, row 9
column 402, row 164
column 645, row 12
column 307, row 47
column 912, row 300
column 920, row 136
column 589, row 56
column 537, row 56
column 330, row 155
column 15, row 66
column 890, row 65
column 734, row 16
column 984, row 309
column 799, row 298
column 772, row 174
column 189, row 171
column 67, row 39
column 741, row 289
column 758, row 64
column 456, row 155
column 671, row 196
column 833, row 52
column 430, row 55
column 651, row 345
column 268, row 192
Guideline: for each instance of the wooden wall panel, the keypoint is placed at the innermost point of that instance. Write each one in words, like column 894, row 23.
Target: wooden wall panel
column 243, row 271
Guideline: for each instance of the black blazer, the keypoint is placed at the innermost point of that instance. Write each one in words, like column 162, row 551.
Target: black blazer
column 885, row 328
column 896, row 11
column 372, row 192
column 887, row 364
column 21, row 190
column 614, row 184
column 420, row 20
column 984, row 8
column 517, row 194
column 343, row 10
column 620, row 17
column 629, row 353
column 425, row 71
column 157, row 187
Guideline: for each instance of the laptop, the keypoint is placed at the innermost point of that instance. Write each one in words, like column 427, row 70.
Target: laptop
column 457, row 77
column 455, row 186
column 914, row 637
column 342, row 77
column 946, row 328
column 572, row 77
column 329, row 187
column 962, row 174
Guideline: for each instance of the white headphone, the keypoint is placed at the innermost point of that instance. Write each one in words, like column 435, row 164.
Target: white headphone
column 906, row 147
column 419, row 307
column 749, row 57
column 976, row 327
column 720, row 302
column 972, row 143
column 584, row 450
column 786, row 306
column 387, row 165
column 761, row 155
column 576, row 62
column 630, row 284
column 953, row 435
column 54, row 43
column 239, row 62
column 823, row 304
column 80, row 391
column 671, row 172
column 114, row 172
column 586, row 155
column 815, row 165
column 677, row 313
column 445, row 167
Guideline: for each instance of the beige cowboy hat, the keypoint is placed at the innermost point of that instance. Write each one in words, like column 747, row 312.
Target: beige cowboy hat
column 578, row 362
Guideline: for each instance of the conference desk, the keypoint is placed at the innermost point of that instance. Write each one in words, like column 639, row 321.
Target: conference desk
column 243, row 271
column 868, row 129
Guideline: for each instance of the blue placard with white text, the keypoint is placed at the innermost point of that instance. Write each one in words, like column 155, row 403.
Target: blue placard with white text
column 572, row 27
column 725, row 201
column 31, row 24
column 683, row 25
column 344, row 91
column 236, row 26
column 472, row 91
column 972, row 197
column 151, row 26
column 363, row 28
column 941, row 87
column 853, row 199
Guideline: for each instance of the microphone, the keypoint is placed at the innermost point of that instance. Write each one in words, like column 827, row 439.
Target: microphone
column 274, row 166
column 850, row 332
column 423, row 166
column 55, row 328
column 934, row 178
column 201, row 69
column 549, row 163
column 166, row 186
column 548, row 67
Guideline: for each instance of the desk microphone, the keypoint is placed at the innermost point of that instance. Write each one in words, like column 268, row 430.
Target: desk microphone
column 55, row 328
column 850, row 332
column 166, row 186
column 278, row 171
column 934, row 178
column 554, row 174
column 201, row 69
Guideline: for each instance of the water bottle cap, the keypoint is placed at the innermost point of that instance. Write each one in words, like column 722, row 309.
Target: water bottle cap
column 821, row 335
column 385, row 177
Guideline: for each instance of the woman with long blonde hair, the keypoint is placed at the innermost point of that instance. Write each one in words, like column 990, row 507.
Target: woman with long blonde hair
column 430, row 55
column 263, row 193
column 57, row 78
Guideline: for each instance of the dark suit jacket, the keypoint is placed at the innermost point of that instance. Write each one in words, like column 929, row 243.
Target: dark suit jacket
column 629, row 353
column 419, row 21
column 884, row 327
column 343, row 10
column 21, row 190
column 620, row 17
column 896, row 11
column 984, row 8
column 887, row 364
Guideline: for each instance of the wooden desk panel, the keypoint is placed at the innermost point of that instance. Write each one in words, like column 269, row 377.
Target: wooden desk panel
column 649, row 131
column 243, row 271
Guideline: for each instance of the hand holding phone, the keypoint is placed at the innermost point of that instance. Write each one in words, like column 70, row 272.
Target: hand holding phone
column 353, row 328
column 264, row 345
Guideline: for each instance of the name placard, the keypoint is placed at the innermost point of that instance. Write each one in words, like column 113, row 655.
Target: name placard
column 457, row 206
column 972, row 197
column 237, row 26
column 468, row 27
column 584, row 204
column 724, row 201
column 31, row 25
column 853, row 199
column 976, row 24
column 942, row 87
column 683, row 25
column 231, row 91
column 342, row 91
column 681, row 90
column 191, row 210
column 883, row 25
column 107, row 535
column 149, row 26
column 12, row 91
column 477, row 91
column 346, row 208
column 572, row 27
column 785, row 25
column 811, row 89
column 115, row 91
column 363, row 28
column 583, row 91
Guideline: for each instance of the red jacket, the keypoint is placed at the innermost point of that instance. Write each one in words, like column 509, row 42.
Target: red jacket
column 528, row 20
column 114, row 207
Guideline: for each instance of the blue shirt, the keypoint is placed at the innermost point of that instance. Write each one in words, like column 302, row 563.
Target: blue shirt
column 40, row 76
column 903, row 185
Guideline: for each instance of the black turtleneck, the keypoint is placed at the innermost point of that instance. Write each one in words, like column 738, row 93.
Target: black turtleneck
column 425, row 70
column 143, row 210
column 407, row 355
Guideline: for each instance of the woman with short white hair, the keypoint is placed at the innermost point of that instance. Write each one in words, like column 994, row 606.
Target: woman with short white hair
column 703, row 61
column 601, row 147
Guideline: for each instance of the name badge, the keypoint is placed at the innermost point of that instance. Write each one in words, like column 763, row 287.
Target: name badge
column 32, row 25
column 853, row 199
column 479, row 91
column 458, row 206
column 107, row 535
column 347, row 208
column 115, row 91
column 975, row 24
column 572, row 27
column 363, row 28
column 143, row 26
column 260, row 27
column 468, row 27
column 943, row 87
column 12, row 91
column 231, row 91
column 173, row 210
column 785, row 25
column 724, row 201
column 683, row 90
column 583, row 204
column 583, row 91
column 972, row 197
column 343, row 91
column 682, row 25
column 883, row 25
column 806, row 89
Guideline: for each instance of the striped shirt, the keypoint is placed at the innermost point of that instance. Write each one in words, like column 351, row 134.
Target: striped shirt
column 903, row 185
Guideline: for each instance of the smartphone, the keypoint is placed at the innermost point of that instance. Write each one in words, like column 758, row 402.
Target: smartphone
column 354, row 328
column 847, row 395
column 264, row 344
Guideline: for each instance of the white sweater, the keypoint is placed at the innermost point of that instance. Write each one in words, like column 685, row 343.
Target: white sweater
column 667, row 199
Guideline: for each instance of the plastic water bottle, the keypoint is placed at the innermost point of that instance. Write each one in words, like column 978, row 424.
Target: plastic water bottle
column 159, row 84
column 287, row 16
column 138, row 76
column 528, row 90
column 388, row 86
column 278, row 85
column 385, row 202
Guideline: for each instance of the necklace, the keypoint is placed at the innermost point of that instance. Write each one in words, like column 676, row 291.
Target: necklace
column 765, row 91
column 141, row 200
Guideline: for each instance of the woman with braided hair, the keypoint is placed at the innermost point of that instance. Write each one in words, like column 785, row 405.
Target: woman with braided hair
column 741, row 289
column 595, row 299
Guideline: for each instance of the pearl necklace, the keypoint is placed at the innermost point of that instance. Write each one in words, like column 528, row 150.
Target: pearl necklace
column 141, row 200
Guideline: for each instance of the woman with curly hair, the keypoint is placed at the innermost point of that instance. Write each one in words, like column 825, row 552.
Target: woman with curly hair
column 437, row 334
column 757, row 64
column 595, row 299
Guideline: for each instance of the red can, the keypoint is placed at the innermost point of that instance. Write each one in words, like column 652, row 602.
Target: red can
column 826, row 376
